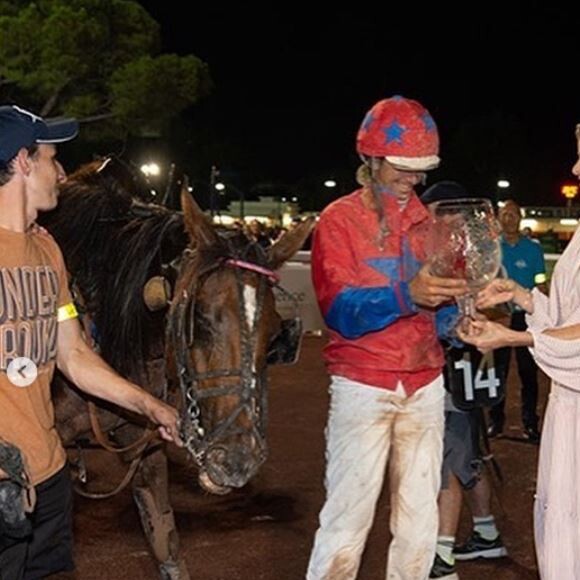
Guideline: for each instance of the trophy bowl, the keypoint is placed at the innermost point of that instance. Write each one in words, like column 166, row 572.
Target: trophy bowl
column 464, row 243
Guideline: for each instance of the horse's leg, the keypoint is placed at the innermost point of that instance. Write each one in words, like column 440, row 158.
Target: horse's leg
column 151, row 494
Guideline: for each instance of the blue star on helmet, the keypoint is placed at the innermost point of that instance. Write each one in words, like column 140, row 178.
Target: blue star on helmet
column 428, row 122
column 368, row 121
column 394, row 132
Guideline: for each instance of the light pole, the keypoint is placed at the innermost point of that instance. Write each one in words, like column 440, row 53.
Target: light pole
column 169, row 185
column 221, row 187
column 213, row 176
column 569, row 192
column 242, row 203
column 281, row 200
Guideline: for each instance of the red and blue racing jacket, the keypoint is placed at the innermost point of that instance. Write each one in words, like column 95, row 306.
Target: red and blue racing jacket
column 378, row 336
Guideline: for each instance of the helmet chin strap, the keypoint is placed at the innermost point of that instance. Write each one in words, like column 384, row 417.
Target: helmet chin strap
column 377, row 191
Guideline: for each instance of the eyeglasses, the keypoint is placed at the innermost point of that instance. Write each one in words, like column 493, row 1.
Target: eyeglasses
column 422, row 175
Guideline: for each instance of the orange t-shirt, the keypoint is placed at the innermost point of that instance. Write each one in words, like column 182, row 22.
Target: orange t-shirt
column 33, row 285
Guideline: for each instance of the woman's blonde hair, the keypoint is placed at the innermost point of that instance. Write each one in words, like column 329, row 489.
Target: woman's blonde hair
column 363, row 175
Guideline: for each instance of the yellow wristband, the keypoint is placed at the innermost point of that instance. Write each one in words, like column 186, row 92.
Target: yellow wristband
column 67, row 311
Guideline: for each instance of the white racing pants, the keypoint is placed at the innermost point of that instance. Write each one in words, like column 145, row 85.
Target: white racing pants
column 367, row 427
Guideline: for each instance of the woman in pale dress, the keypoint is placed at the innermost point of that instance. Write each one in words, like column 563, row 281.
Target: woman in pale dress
column 553, row 336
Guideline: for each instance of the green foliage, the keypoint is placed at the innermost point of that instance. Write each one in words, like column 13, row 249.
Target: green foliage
column 149, row 92
column 96, row 59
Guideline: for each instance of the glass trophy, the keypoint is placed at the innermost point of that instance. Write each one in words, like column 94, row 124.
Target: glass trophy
column 464, row 243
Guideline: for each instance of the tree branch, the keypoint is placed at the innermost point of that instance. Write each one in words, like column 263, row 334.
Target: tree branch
column 94, row 118
column 51, row 102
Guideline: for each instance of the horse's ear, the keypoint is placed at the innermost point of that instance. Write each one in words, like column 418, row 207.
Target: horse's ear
column 289, row 243
column 197, row 225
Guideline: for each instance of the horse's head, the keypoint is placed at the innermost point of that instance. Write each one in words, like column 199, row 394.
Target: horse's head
column 223, row 322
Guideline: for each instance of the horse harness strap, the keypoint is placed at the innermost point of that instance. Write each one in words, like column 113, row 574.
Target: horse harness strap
column 274, row 277
column 124, row 482
column 286, row 347
column 197, row 441
column 103, row 440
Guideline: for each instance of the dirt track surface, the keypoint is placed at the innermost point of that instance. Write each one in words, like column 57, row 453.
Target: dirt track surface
column 265, row 531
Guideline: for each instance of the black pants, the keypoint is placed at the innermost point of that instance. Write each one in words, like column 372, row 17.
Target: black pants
column 528, row 373
column 49, row 549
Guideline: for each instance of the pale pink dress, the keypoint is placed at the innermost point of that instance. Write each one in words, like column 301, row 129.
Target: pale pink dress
column 557, row 506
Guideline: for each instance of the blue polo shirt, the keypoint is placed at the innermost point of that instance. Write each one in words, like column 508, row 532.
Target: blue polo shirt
column 524, row 261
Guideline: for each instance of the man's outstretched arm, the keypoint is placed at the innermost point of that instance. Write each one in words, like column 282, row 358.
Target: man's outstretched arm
column 94, row 376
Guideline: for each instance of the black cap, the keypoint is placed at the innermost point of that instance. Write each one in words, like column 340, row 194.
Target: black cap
column 20, row 128
column 444, row 190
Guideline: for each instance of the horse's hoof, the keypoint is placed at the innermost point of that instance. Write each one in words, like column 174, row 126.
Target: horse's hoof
column 174, row 571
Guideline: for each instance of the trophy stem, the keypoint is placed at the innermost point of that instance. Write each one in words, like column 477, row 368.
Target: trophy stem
column 466, row 304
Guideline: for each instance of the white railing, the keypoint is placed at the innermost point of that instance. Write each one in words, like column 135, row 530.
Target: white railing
column 295, row 278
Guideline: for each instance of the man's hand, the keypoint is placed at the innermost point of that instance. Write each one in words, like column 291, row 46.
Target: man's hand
column 429, row 290
column 166, row 417
column 3, row 475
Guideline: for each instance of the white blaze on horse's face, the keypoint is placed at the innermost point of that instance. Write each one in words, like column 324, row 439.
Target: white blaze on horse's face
column 250, row 306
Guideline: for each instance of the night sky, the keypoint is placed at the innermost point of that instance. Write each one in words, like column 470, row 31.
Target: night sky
column 291, row 90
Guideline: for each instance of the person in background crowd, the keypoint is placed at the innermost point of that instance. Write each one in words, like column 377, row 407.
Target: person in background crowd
column 528, row 233
column 256, row 233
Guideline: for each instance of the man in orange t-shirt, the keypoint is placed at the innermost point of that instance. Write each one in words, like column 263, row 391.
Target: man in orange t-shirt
column 38, row 331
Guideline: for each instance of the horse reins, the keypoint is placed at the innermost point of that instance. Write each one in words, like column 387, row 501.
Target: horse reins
column 141, row 443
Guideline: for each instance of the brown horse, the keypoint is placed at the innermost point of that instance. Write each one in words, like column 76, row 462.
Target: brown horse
column 205, row 350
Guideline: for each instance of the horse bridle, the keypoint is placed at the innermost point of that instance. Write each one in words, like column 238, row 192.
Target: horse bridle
column 251, row 387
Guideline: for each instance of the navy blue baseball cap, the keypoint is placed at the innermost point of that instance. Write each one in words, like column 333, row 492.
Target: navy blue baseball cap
column 443, row 190
column 20, row 128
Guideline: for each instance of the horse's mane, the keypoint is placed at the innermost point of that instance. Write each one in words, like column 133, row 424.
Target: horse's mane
column 112, row 244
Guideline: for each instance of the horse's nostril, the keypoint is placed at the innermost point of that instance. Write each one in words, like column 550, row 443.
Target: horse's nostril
column 217, row 455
